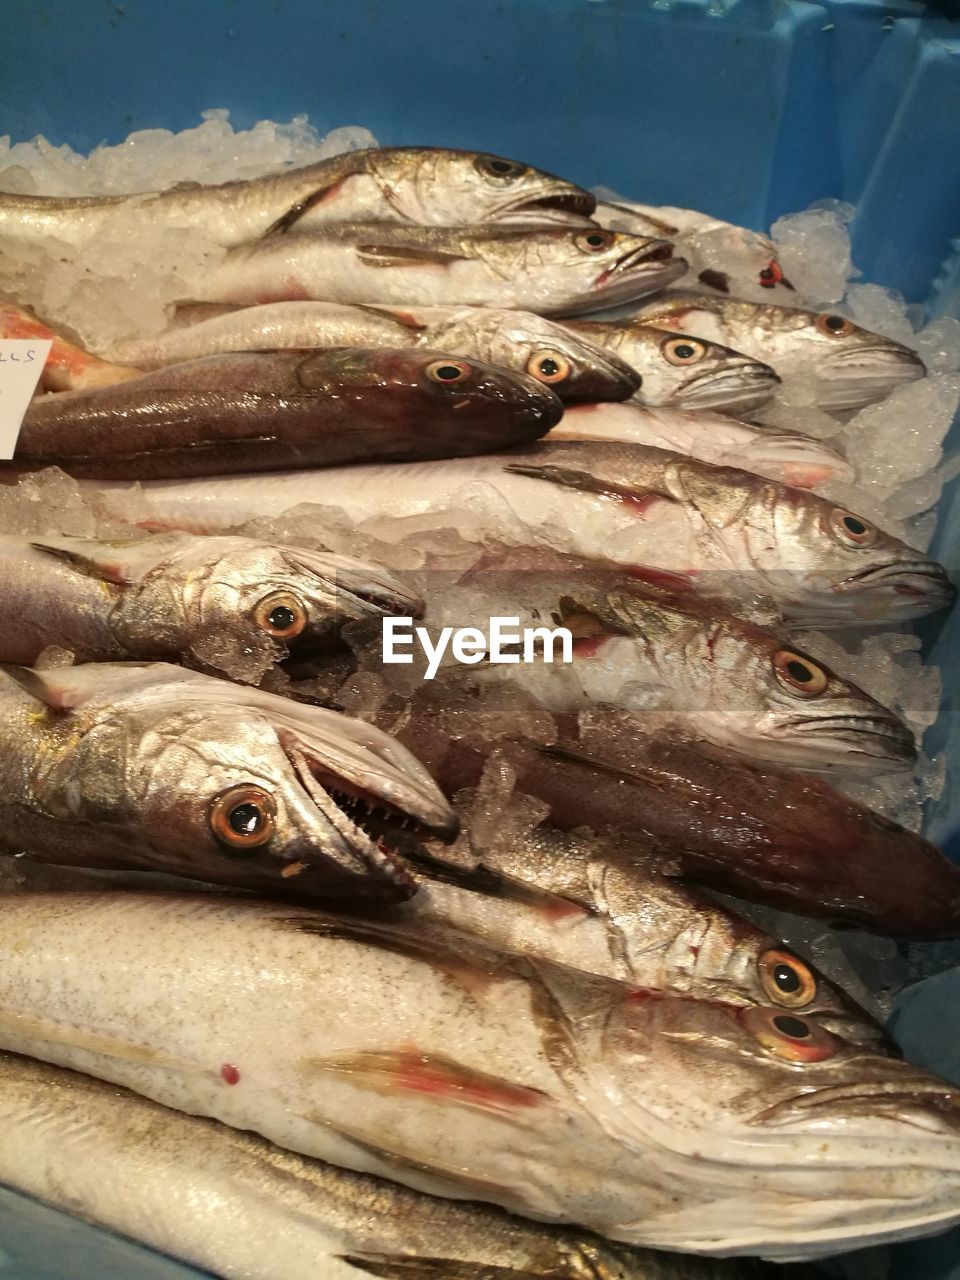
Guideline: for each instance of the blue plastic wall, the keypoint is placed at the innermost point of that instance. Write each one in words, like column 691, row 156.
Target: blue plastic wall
column 746, row 108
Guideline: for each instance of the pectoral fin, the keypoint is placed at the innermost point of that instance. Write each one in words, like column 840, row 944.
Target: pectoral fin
column 395, row 1267
column 102, row 570
column 17, row 1028
column 296, row 211
column 377, row 255
column 642, row 501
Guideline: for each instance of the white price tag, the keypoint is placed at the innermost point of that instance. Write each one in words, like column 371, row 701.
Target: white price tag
column 21, row 364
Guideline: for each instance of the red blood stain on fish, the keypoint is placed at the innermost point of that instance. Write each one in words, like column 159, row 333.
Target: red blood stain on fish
column 229, row 1073
column 589, row 646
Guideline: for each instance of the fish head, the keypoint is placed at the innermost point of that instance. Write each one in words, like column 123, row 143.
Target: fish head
column 693, row 373
column 465, row 405
column 576, row 369
column 453, row 188
column 814, row 1139
column 243, row 592
column 201, row 778
column 821, row 561
column 594, row 268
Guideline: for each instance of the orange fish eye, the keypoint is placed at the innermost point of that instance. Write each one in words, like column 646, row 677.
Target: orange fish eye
column 681, row 351
column 243, row 818
column 771, row 275
column 448, row 372
column 799, row 673
column 786, row 979
column 834, row 326
column 549, row 367
column 789, row 1037
column 595, row 241
column 853, row 529
column 281, row 614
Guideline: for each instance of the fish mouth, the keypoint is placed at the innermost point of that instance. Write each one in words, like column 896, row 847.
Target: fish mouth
column 573, row 206
column 866, row 374
column 599, row 376
column 852, row 742
column 920, row 586
column 928, row 1105
column 367, row 590
column 649, row 266
column 742, row 386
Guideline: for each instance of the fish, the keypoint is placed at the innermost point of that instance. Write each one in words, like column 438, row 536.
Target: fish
column 432, row 185
column 842, row 366
column 150, row 766
column 789, row 457
column 683, row 372
column 749, row 828
column 549, row 270
column 457, row 1069
column 723, row 257
column 670, row 657
column 234, row 1204
column 594, row 904
column 68, row 367
column 260, row 410
column 177, row 597
column 623, row 502
column 576, row 369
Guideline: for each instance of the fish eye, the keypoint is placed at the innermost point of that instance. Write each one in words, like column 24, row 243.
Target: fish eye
column 682, row 351
column 771, row 274
column 594, row 241
column 786, row 979
column 549, row 367
column 448, row 372
column 243, row 818
column 281, row 614
column 789, row 1037
column 834, row 326
column 799, row 673
column 853, row 529
column 500, row 170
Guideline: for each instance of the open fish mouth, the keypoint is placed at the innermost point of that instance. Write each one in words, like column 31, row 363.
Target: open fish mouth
column 744, row 386
column 579, row 205
column 852, row 742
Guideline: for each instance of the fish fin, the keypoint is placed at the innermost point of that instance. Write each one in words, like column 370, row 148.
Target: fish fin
column 375, row 255
column 50, row 1032
column 296, row 211
column 42, row 685
column 642, row 500
column 101, row 570
column 186, row 184
column 396, row 1267
column 406, row 1071
column 404, row 318
column 715, row 280
column 491, row 882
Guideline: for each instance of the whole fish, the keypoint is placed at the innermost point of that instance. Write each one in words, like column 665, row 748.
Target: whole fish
column 723, row 256
column 457, row 1069
column 260, row 410
column 68, row 367
column 234, row 1204
column 680, row 371
column 761, row 832
column 574, row 368
column 841, row 365
column 594, row 904
column 672, row 658
column 389, row 184
column 544, row 269
column 621, row 502
column 180, row 598
column 789, row 457
column 151, row 766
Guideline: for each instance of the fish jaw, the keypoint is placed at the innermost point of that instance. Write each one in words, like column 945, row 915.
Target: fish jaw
column 645, row 268
column 899, row 590
column 737, row 387
column 599, row 376
column 362, row 590
column 873, row 743
column 864, row 374
column 550, row 201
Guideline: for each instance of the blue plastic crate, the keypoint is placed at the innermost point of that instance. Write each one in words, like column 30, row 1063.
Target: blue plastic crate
column 746, row 108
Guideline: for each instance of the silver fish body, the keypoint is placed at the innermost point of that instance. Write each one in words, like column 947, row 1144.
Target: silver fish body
column 683, row 372
column 576, row 369
column 429, row 185
column 454, row 1068
column 151, row 766
column 845, row 366
column 236, row 1205
column 791, row 458
column 180, row 598
column 735, row 532
column 543, row 269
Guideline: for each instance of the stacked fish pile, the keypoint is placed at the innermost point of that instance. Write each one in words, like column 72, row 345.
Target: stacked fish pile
column 458, row 945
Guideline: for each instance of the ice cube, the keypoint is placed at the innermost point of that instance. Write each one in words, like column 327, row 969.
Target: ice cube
column 814, row 251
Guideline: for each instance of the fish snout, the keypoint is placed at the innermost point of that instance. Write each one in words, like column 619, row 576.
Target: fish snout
column 364, row 589
column 741, row 385
column 599, row 376
column 877, row 741
column 907, row 588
